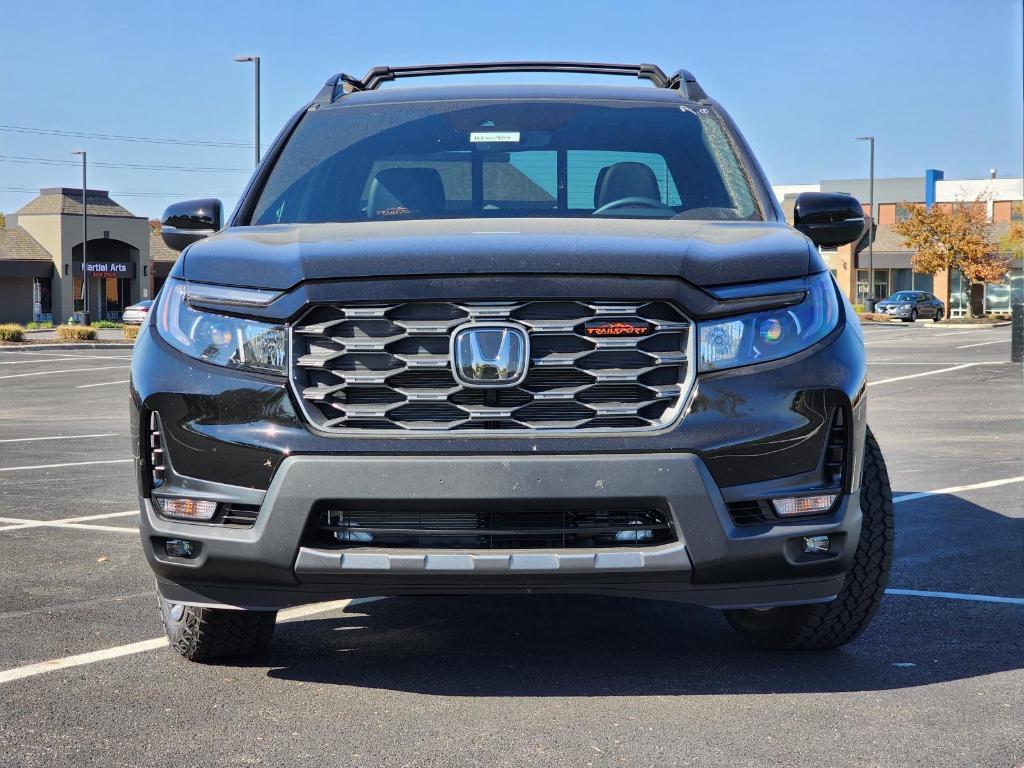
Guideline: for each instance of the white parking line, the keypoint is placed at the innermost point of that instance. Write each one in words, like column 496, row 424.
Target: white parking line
column 73, row 357
column 67, row 464
column 55, row 437
column 30, row 670
column 932, row 373
column 74, row 526
column 958, row 489
column 27, row 362
column 102, row 384
column 957, row 596
column 65, row 370
column 984, row 344
column 18, row 523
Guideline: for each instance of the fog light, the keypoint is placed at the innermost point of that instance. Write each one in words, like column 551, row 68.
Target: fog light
column 804, row 505
column 180, row 548
column 186, row 509
column 817, row 545
column 635, row 534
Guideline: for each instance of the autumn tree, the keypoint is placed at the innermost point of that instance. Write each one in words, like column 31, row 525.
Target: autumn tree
column 953, row 238
column 1013, row 241
column 3, row 220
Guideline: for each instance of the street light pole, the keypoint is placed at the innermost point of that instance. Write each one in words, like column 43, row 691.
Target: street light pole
column 256, row 62
column 869, row 302
column 86, row 319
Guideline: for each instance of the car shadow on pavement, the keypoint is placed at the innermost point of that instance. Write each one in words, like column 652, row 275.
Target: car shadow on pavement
column 584, row 645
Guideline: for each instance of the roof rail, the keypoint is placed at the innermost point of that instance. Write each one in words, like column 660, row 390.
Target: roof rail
column 342, row 83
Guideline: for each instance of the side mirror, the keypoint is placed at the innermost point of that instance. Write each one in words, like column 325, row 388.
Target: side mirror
column 184, row 223
column 830, row 219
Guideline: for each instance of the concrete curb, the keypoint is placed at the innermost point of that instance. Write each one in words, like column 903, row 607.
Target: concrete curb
column 962, row 326
column 59, row 347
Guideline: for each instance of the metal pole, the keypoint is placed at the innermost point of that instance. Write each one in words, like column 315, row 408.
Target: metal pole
column 256, row 59
column 256, row 62
column 1017, row 334
column 870, row 306
column 86, row 319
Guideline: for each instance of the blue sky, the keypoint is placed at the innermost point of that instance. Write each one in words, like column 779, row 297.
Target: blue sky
column 939, row 82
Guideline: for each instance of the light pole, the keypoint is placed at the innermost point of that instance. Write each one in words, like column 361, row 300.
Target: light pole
column 86, row 319
column 869, row 302
column 256, row 61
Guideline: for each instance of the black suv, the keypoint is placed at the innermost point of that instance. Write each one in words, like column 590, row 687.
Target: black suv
column 502, row 339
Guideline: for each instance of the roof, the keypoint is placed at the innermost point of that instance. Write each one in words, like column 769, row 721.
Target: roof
column 18, row 245
column 498, row 91
column 68, row 201
column 158, row 250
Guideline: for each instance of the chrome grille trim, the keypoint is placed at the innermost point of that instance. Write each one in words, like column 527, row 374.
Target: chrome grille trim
column 385, row 369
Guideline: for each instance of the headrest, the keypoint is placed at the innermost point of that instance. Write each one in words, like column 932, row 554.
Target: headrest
column 404, row 192
column 625, row 180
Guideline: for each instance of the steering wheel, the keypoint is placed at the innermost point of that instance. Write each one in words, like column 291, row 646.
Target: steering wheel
column 634, row 201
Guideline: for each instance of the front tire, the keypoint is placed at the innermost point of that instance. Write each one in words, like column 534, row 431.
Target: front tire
column 212, row 634
column 938, row 316
column 830, row 625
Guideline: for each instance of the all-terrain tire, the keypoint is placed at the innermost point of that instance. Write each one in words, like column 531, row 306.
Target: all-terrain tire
column 213, row 634
column 830, row 625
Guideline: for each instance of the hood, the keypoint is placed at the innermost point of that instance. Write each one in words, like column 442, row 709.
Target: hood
column 702, row 253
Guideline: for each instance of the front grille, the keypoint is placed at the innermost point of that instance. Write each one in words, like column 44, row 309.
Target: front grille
column 491, row 529
column 388, row 367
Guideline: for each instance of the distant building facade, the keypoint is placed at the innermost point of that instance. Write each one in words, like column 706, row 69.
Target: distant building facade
column 1004, row 201
column 41, row 258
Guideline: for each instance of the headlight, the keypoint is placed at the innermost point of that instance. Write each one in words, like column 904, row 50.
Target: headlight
column 762, row 336
column 219, row 339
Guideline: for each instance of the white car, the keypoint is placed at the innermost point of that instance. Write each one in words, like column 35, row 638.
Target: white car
column 136, row 314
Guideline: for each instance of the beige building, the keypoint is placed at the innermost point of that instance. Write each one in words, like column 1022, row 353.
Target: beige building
column 41, row 258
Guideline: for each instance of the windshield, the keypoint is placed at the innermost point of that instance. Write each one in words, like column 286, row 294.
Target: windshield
column 482, row 159
column 903, row 296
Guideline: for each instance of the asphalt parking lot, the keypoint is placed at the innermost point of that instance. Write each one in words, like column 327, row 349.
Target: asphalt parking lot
column 937, row 680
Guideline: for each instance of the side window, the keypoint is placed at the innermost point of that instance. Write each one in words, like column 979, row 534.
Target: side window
column 584, row 166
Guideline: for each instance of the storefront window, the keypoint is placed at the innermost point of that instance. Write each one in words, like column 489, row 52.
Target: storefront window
column 908, row 280
column 1000, row 297
column 862, row 286
column 958, row 297
column 881, row 284
column 77, row 293
column 42, row 307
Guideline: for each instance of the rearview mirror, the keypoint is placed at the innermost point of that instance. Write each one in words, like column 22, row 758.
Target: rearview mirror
column 184, row 223
column 830, row 219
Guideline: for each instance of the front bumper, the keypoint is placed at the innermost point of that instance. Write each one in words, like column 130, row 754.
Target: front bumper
column 714, row 562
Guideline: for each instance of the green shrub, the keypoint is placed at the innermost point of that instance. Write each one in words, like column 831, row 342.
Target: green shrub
column 11, row 332
column 34, row 326
column 76, row 333
column 106, row 324
column 130, row 332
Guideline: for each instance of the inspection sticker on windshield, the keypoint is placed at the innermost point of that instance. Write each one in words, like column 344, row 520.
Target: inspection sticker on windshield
column 494, row 136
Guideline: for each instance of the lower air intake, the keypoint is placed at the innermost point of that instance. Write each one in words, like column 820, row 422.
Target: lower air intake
column 492, row 529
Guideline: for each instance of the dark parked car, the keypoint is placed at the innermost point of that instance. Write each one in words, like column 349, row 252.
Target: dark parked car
column 136, row 314
column 509, row 339
column 910, row 305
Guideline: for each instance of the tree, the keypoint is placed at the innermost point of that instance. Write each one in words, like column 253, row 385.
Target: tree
column 956, row 237
column 154, row 224
column 3, row 221
column 1013, row 241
